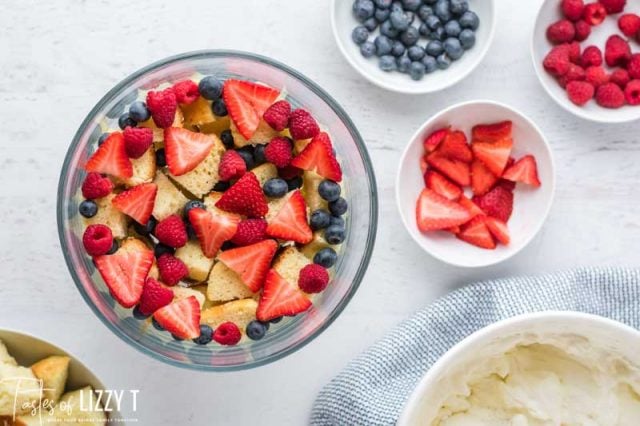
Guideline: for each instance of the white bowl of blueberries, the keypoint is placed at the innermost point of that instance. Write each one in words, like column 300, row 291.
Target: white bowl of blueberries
column 413, row 46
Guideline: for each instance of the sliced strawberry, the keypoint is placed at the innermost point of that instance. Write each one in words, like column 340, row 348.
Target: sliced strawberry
column 423, row 164
column 290, row 223
column 482, row 180
column 455, row 147
column 498, row 229
column 251, row 263
column 111, row 158
column 457, row 171
column 181, row 318
column 471, row 206
column 491, row 132
column 435, row 212
column 497, row 203
column 443, row 186
column 247, row 103
column 455, row 230
column 524, row 170
column 125, row 274
column 137, row 202
column 213, row 229
column 477, row 233
column 280, row 298
column 245, row 197
column 185, row 149
column 432, row 141
column 494, row 155
column 319, row 157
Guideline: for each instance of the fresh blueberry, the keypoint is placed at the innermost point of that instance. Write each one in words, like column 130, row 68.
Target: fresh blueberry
column 88, row 208
column 424, row 30
column 400, row 20
column 334, row 235
column 338, row 207
column 337, row 220
column 384, row 45
column 139, row 111
column 411, row 5
column 434, row 48
column 139, row 315
column 417, row 70
column 161, row 249
column 125, row 121
column 103, row 137
column 191, row 233
column 275, row 188
column 246, row 153
column 359, row 35
column 206, row 335
column 219, row 108
column 388, row 30
column 161, row 159
column 433, row 22
column 210, row 88
column 410, row 36
column 443, row 61
column 294, row 183
column 467, row 39
column 114, row 247
column 442, row 10
column 383, row 4
column 367, row 49
column 329, row 190
column 363, row 9
column 403, row 64
column 258, row 155
column 430, row 64
column 398, row 49
column 326, row 257
column 425, row 11
column 387, row 63
column 256, row 330
column 396, row 6
column 227, row 138
column 415, row 53
column 430, row 2
column 275, row 320
column 458, row 7
column 453, row 48
column 192, row 204
column 146, row 229
column 221, row 186
column 382, row 15
column 438, row 34
column 156, row 324
column 320, row 219
column 452, row 28
column 370, row 24
column 469, row 20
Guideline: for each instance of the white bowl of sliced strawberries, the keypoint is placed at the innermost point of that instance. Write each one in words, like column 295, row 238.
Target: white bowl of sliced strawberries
column 475, row 184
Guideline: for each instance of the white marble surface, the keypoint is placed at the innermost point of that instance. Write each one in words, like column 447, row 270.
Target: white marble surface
column 59, row 57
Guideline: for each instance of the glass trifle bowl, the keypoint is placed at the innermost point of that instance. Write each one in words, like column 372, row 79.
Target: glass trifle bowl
column 358, row 188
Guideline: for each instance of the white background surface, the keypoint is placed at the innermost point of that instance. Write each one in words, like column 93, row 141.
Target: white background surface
column 57, row 58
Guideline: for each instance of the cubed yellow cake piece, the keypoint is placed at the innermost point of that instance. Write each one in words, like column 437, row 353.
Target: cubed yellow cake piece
column 132, row 245
column 289, row 263
column 158, row 133
column 87, row 414
column 318, row 243
column 311, row 181
column 200, row 180
column 262, row 136
column 264, row 172
column 199, row 265
column 154, row 272
column 19, row 386
column 198, row 114
column 300, row 145
column 180, row 293
column 169, row 200
column 5, row 356
column 239, row 312
column 53, row 371
column 110, row 216
column 224, row 284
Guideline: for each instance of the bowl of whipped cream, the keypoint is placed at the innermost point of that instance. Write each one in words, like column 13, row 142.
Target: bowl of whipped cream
column 549, row 368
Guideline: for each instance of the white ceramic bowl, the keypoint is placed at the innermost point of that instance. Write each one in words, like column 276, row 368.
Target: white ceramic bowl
column 343, row 23
column 549, row 13
column 531, row 205
column 602, row 334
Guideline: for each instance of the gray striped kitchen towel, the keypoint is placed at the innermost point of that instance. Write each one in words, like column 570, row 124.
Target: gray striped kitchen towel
column 373, row 388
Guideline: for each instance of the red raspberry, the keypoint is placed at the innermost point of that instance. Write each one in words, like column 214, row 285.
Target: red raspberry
column 580, row 92
column 250, row 231
column 572, row 9
column 137, row 141
column 278, row 152
column 172, row 231
column 302, row 125
column 97, row 240
column 575, row 73
column 583, row 30
column 557, row 61
column 594, row 14
column 232, row 166
column 561, row 32
column 575, row 52
column 172, row 269
column 227, row 334
column 277, row 115
column 313, row 278
column 186, row 91
column 96, row 186
column 617, row 51
column 154, row 296
column 610, row 95
column 633, row 67
column 632, row 92
column 597, row 76
column 613, row 6
column 629, row 24
column 620, row 77
column 163, row 106
column 591, row 57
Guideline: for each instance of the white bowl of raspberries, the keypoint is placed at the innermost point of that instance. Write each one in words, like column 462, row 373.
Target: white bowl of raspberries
column 587, row 57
